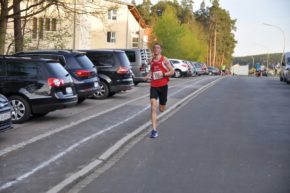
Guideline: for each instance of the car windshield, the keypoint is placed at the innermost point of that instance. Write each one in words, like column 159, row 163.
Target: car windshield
column 123, row 59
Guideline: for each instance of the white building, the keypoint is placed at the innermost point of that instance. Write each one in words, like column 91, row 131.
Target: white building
column 105, row 24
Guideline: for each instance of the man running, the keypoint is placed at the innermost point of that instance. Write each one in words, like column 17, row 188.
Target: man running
column 159, row 74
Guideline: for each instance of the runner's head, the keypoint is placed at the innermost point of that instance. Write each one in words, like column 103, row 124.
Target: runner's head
column 157, row 49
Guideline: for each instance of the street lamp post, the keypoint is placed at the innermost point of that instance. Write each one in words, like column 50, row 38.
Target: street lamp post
column 280, row 29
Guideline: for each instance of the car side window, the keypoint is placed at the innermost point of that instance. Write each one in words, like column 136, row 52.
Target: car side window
column 131, row 56
column 101, row 59
column 16, row 68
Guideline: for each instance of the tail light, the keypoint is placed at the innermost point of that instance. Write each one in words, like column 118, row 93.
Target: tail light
column 122, row 70
column 55, row 82
column 83, row 73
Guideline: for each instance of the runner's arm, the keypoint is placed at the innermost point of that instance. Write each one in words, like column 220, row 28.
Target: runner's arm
column 148, row 76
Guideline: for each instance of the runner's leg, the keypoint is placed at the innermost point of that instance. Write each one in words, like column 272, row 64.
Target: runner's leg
column 153, row 102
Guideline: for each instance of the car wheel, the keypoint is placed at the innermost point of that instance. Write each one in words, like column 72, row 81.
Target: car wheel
column 210, row 73
column 21, row 110
column 103, row 92
column 82, row 99
column 177, row 73
column 136, row 83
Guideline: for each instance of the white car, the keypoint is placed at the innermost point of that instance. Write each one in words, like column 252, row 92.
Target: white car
column 285, row 68
column 181, row 68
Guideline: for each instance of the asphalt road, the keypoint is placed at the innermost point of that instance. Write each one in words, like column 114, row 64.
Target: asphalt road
column 232, row 138
column 37, row 156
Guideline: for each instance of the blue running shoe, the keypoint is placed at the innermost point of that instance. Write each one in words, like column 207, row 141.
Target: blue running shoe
column 154, row 134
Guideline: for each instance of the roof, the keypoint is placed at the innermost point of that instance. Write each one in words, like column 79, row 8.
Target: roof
column 133, row 9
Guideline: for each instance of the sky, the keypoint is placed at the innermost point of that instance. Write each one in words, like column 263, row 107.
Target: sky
column 252, row 35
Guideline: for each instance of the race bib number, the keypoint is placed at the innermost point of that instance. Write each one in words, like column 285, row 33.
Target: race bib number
column 157, row 75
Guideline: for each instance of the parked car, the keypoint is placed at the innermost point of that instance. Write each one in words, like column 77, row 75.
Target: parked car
column 35, row 86
column 140, row 63
column 191, row 68
column 213, row 70
column 284, row 73
column 81, row 69
column 5, row 113
column 204, row 68
column 114, row 71
column 198, row 68
column 146, row 52
column 180, row 68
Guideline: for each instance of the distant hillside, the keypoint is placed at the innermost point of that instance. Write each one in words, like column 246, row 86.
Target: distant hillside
column 262, row 59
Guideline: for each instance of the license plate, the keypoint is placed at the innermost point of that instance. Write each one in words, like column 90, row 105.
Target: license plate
column 5, row 116
column 96, row 84
column 68, row 90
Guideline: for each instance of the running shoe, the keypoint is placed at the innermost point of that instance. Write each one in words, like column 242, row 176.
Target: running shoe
column 153, row 134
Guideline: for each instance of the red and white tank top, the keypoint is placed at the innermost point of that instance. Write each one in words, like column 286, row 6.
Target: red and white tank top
column 156, row 67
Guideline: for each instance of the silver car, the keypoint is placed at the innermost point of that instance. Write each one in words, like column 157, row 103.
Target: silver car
column 140, row 63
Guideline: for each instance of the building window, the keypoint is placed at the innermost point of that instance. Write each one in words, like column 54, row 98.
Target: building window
column 40, row 31
column 135, row 42
column 111, row 37
column 112, row 14
column 53, row 24
column 34, row 28
column 47, row 24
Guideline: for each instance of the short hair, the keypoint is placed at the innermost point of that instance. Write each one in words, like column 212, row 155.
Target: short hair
column 155, row 44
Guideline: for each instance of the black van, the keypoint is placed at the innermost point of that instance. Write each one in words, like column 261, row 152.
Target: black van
column 81, row 69
column 35, row 86
column 114, row 71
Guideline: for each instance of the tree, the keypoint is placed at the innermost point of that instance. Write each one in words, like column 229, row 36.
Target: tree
column 179, row 40
column 187, row 11
column 144, row 10
column 168, row 32
column 219, row 28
